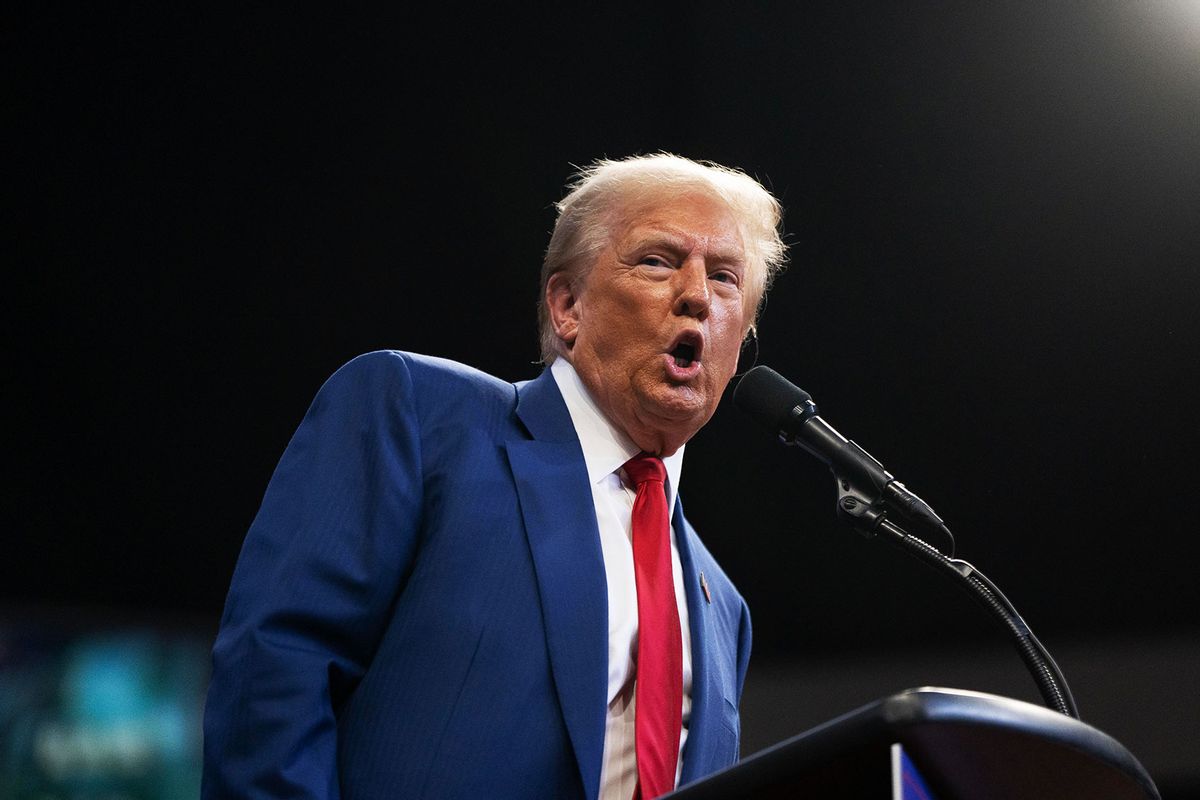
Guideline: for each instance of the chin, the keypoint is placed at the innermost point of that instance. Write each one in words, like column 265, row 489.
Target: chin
column 682, row 404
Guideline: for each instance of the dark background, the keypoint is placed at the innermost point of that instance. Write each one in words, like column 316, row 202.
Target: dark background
column 993, row 217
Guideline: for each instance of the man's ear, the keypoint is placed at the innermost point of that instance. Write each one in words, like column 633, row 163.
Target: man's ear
column 564, row 308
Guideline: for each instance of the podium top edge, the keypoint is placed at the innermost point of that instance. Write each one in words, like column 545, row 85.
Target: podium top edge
column 977, row 726
column 925, row 705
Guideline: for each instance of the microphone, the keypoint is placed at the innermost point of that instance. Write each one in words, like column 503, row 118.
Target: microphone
column 789, row 411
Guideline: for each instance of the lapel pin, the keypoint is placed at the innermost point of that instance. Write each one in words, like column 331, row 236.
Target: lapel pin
column 704, row 588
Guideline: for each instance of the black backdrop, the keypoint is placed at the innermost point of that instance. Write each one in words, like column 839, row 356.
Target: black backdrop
column 992, row 212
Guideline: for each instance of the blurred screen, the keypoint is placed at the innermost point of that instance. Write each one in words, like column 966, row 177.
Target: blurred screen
column 99, row 709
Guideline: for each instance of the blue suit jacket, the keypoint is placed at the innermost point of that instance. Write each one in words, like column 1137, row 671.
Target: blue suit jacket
column 419, row 609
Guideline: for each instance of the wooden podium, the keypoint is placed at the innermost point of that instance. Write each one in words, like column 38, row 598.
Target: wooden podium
column 964, row 746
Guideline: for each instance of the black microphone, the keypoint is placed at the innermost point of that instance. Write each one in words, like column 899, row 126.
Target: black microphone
column 789, row 411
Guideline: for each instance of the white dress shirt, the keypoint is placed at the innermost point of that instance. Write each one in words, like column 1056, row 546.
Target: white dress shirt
column 605, row 451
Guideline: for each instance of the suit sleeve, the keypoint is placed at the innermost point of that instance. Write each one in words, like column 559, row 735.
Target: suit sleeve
column 321, row 566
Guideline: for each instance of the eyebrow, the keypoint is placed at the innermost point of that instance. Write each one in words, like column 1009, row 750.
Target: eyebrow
column 678, row 241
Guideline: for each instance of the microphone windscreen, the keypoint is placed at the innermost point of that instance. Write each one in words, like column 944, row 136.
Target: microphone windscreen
column 769, row 397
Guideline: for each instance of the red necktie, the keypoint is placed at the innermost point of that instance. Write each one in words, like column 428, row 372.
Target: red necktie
column 658, row 713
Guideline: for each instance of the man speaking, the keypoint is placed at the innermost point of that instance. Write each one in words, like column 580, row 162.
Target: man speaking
column 458, row 587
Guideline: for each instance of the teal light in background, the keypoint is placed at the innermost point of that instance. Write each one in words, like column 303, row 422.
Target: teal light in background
column 104, row 714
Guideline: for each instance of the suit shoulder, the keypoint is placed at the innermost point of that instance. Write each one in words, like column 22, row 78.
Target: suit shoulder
column 422, row 375
column 446, row 396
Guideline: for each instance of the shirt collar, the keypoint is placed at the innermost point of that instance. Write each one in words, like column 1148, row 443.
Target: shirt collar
column 606, row 448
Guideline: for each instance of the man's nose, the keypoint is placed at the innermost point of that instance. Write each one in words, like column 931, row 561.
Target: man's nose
column 692, row 298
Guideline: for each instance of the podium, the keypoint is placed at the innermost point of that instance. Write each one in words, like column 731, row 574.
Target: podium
column 963, row 746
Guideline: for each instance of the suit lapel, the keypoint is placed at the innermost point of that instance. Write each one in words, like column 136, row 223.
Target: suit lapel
column 706, row 696
column 560, row 523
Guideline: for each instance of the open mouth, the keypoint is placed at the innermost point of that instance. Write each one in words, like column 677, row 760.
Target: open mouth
column 684, row 354
column 688, row 349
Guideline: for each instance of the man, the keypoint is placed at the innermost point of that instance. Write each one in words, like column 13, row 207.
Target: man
column 461, row 587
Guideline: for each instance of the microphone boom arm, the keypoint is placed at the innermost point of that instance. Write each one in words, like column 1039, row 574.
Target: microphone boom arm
column 869, row 517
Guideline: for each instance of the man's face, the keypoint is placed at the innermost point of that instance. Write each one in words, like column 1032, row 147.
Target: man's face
column 656, row 325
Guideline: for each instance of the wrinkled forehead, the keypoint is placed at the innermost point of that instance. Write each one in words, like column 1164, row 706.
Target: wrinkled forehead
column 684, row 219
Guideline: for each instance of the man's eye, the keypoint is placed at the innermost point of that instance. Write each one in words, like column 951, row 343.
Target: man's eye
column 724, row 277
column 654, row 261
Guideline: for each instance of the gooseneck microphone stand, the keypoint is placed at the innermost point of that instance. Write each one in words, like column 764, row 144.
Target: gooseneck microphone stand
column 867, row 493
column 868, row 516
